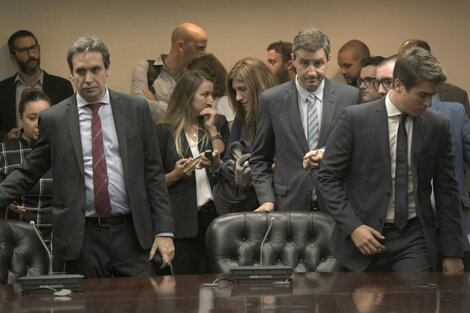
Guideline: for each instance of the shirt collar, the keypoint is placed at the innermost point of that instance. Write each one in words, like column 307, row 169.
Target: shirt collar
column 82, row 102
column 304, row 93
column 38, row 81
column 390, row 107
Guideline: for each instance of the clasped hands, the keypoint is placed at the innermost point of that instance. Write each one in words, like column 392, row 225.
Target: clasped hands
column 312, row 159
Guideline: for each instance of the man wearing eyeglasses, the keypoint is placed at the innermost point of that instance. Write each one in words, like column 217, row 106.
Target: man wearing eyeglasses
column 384, row 76
column 25, row 52
column 367, row 78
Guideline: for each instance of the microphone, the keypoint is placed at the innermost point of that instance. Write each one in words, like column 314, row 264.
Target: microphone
column 49, row 254
column 59, row 284
column 262, row 273
column 264, row 240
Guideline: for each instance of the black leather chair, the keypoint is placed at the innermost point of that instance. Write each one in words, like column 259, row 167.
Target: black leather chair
column 21, row 252
column 297, row 239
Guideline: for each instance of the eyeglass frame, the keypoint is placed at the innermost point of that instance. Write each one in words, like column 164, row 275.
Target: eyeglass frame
column 367, row 81
column 385, row 82
column 25, row 50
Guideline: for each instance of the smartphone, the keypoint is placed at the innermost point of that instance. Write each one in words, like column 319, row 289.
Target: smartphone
column 208, row 154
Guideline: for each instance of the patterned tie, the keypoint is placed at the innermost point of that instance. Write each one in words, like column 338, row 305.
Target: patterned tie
column 401, row 176
column 312, row 122
column 100, row 172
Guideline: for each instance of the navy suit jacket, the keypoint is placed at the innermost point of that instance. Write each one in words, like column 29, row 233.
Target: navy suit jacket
column 355, row 181
column 59, row 146
column 460, row 134
column 57, row 88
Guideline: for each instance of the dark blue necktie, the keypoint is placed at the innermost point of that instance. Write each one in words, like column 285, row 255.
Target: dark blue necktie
column 401, row 176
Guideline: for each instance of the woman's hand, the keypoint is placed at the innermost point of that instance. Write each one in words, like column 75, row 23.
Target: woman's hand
column 183, row 168
column 209, row 115
column 15, row 207
column 213, row 164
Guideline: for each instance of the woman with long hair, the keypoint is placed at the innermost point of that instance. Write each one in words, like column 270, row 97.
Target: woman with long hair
column 191, row 137
column 245, row 82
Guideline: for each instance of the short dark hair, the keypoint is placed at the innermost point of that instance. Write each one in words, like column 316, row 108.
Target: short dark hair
column 283, row 48
column 374, row 61
column 88, row 44
column 311, row 39
column 29, row 95
column 210, row 65
column 416, row 65
column 19, row 34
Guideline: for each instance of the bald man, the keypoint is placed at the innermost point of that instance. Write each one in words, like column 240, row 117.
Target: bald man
column 350, row 56
column 155, row 79
column 447, row 92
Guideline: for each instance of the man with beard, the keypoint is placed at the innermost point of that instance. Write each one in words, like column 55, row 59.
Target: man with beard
column 25, row 52
column 280, row 61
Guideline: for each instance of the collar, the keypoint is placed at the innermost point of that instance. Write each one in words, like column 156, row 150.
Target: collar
column 160, row 59
column 304, row 93
column 82, row 102
column 390, row 107
column 38, row 81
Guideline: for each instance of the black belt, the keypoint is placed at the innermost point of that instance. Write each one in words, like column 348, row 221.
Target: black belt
column 109, row 220
column 392, row 225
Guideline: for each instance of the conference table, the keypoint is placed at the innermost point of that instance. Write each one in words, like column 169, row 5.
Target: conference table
column 307, row 292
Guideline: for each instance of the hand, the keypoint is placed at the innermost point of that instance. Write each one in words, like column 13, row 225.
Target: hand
column 205, row 162
column 13, row 133
column 364, row 237
column 312, row 159
column 452, row 266
column 265, row 207
column 209, row 114
column 149, row 95
column 15, row 207
column 166, row 247
column 184, row 167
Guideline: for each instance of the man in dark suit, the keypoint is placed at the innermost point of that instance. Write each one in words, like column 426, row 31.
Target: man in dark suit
column 377, row 172
column 110, row 203
column 460, row 134
column 285, row 125
column 25, row 52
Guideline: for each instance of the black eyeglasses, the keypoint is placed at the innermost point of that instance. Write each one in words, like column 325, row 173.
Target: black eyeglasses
column 386, row 82
column 34, row 48
column 367, row 81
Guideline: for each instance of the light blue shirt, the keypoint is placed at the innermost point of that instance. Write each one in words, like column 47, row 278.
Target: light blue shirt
column 116, row 185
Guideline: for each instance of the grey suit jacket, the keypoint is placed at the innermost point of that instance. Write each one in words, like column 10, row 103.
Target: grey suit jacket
column 280, row 137
column 59, row 146
column 355, row 181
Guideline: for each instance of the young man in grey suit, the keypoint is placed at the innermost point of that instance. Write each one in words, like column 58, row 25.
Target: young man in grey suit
column 382, row 162
column 111, row 210
column 294, row 122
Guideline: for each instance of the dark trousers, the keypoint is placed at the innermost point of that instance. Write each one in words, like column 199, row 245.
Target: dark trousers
column 191, row 253
column 111, row 251
column 405, row 250
column 466, row 261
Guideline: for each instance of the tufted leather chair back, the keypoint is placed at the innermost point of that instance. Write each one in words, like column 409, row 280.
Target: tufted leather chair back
column 21, row 252
column 297, row 239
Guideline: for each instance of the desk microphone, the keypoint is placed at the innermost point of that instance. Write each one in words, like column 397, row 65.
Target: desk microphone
column 264, row 240
column 51, row 283
column 262, row 273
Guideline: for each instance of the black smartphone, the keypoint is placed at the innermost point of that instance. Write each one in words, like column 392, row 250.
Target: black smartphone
column 208, row 154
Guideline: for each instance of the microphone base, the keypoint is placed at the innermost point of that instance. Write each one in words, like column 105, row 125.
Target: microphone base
column 265, row 274
column 50, row 283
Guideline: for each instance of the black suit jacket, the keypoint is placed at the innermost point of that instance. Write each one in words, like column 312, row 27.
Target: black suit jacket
column 355, row 181
column 280, row 137
column 183, row 193
column 57, row 88
column 59, row 146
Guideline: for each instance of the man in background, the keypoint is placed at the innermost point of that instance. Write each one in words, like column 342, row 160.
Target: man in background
column 155, row 79
column 349, row 60
column 25, row 52
column 366, row 79
column 280, row 61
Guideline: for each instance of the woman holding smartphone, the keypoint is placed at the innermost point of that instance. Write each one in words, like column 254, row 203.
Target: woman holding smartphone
column 191, row 138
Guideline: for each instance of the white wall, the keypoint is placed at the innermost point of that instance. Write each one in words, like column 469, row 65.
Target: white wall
column 140, row 29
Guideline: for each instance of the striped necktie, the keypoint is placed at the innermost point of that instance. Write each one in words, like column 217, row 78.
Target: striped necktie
column 100, row 172
column 313, row 128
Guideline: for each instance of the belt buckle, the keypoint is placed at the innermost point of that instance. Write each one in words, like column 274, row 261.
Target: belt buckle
column 101, row 224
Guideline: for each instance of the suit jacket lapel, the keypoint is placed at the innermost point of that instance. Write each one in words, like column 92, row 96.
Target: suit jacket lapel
column 329, row 104
column 120, row 123
column 416, row 146
column 293, row 112
column 381, row 124
column 71, row 114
